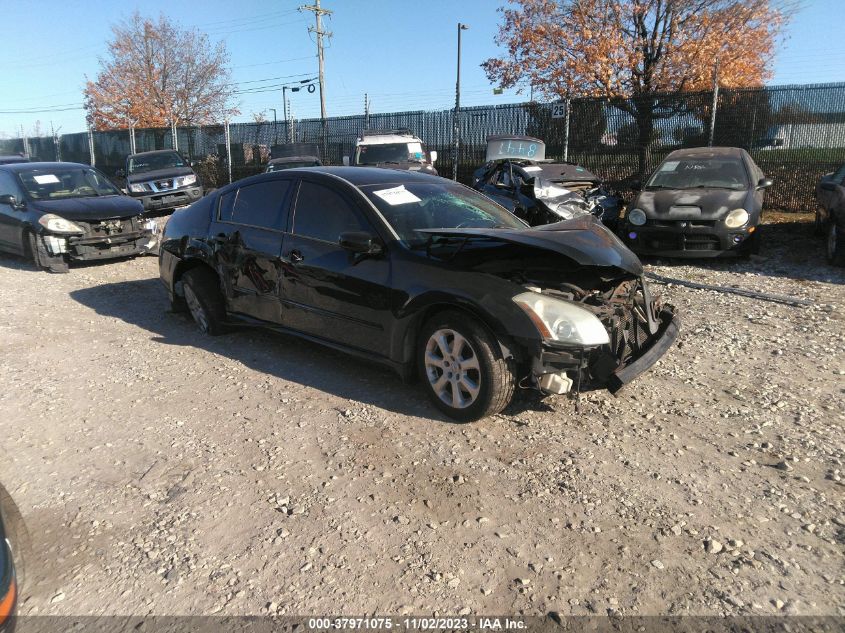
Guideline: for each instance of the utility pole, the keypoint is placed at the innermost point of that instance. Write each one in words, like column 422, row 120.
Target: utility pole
column 319, row 12
column 715, row 101
column 457, row 118
column 366, row 111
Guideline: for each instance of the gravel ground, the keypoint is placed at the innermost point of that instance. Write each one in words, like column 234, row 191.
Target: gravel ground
column 162, row 472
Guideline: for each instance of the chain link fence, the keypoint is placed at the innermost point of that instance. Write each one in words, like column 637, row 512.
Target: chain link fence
column 795, row 133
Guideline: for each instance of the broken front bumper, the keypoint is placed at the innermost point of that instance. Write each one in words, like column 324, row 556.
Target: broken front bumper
column 666, row 335
column 93, row 244
column 560, row 368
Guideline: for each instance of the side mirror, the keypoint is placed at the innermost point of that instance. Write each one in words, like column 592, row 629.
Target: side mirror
column 764, row 183
column 360, row 242
column 636, row 185
column 11, row 201
column 827, row 186
column 120, row 174
column 346, row 161
column 432, row 156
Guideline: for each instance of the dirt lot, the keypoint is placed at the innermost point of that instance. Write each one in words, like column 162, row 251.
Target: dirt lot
column 159, row 471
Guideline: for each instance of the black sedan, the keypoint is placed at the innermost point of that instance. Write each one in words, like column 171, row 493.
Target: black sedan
column 701, row 202
column 830, row 214
column 57, row 212
column 422, row 274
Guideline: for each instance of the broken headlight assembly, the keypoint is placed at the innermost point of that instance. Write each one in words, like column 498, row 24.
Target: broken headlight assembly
column 562, row 321
column 736, row 218
column 57, row 224
column 636, row 217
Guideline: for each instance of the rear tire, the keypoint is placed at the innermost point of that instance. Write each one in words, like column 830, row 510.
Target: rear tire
column 835, row 244
column 205, row 301
column 462, row 367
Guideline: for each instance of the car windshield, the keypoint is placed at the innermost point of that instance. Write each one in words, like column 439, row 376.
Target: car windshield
column 699, row 173
column 291, row 165
column 438, row 205
column 389, row 153
column 153, row 162
column 66, row 182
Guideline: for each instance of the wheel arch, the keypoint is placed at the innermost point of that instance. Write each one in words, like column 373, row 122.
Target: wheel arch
column 411, row 333
column 179, row 273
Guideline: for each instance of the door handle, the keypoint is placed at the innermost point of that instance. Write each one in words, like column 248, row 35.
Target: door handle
column 296, row 257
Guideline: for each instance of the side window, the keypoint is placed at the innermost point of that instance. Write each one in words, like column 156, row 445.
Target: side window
column 323, row 214
column 261, row 204
column 8, row 187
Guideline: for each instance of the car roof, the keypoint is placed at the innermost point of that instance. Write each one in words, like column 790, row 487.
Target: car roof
column 708, row 152
column 17, row 167
column 155, row 151
column 291, row 159
column 361, row 176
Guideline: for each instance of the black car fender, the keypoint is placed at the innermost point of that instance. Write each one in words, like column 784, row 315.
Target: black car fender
column 509, row 325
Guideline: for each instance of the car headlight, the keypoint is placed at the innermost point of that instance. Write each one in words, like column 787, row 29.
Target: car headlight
column 137, row 188
column 636, row 217
column 57, row 224
column 562, row 321
column 736, row 218
column 183, row 181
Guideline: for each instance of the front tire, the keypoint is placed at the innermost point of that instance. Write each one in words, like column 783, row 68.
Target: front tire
column 205, row 301
column 835, row 244
column 462, row 367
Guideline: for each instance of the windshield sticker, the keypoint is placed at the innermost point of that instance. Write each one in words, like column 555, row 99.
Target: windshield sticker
column 46, row 179
column 397, row 195
column 670, row 166
column 415, row 148
column 532, row 168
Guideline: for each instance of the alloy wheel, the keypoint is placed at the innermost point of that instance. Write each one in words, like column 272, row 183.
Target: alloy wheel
column 196, row 309
column 452, row 368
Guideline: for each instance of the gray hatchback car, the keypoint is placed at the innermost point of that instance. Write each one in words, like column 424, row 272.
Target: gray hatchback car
column 700, row 202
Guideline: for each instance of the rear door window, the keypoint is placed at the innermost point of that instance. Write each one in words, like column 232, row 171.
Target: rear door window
column 262, row 204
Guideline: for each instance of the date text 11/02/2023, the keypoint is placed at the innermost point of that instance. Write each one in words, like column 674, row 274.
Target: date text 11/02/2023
column 416, row 623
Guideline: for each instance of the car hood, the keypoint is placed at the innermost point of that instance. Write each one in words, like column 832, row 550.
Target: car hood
column 94, row 208
column 690, row 204
column 159, row 174
column 584, row 240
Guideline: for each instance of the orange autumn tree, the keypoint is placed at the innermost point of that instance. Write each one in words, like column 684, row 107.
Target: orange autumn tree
column 155, row 74
column 638, row 54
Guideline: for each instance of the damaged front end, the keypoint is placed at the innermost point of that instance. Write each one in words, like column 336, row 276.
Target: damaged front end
column 568, row 200
column 62, row 240
column 638, row 330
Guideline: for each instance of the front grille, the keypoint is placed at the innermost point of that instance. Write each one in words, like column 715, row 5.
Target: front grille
column 109, row 228
column 683, row 242
column 702, row 243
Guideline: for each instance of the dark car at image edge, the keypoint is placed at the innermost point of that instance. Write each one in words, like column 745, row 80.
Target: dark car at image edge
column 700, row 202
column 54, row 213
column 422, row 274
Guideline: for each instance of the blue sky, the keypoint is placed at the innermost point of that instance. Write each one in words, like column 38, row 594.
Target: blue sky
column 400, row 52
